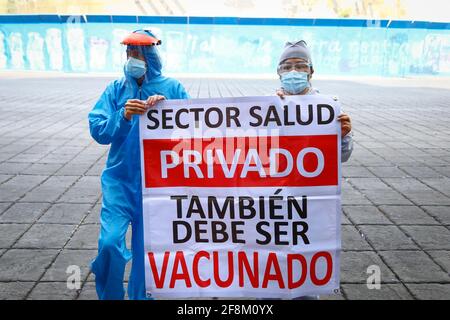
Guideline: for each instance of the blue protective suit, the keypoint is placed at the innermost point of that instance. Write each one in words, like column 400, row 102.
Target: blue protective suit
column 121, row 181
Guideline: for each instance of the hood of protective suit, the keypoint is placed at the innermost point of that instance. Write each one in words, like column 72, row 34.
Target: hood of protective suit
column 150, row 53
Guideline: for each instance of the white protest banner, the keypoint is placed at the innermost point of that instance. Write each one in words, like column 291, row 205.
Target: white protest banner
column 241, row 197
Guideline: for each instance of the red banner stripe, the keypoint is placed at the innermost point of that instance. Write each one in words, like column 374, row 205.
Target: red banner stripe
column 221, row 162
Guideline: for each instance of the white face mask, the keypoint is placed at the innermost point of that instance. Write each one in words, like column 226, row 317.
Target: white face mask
column 135, row 68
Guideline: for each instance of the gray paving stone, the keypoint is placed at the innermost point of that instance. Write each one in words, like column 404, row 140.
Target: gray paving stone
column 56, row 158
column 418, row 192
column 86, row 237
column 88, row 292
column 9, row 233
column 18, row 186
column 17, row 147
column 24, row 212
column 386, row 292
column 366, row 215
column 26, row 157
column 128, row 266
column 52, row 291
column 6, row 156
column 50, row 190
column 400, row 160
column 387, row 172
column 344, row 220
column 86, row 190
column 354, row 266
column 440, row 184
column 73, row 150
column 14, row 290
column 82, row 141
column 73, row 168
column 41, row 149
column 430, row 237
column 91, row 277
column 414, row 266
column 41, row 168
column 350, row 196
column 48, row 236
column 421, row 172
column 89, row 156
column 80, row 258
column 4, row 206
column 96, row 170
column 4, row 141
column 93, row 150
column 441, row 213
column 387, row 237
column 443, row 170
column 352, row 240
column 428, row 198
column 338, row 296
column 5, row 177
column 25, row 264
column 372, row 160
column 397, row 144
column 430, row 291
column 437, row 152
column 52, row 142
column 373, row 145
column 356, row 172
column 442, row 258
column 94, row 215
column 391, row 197
column 65, row 213
column 408, row 215
column 354, row 198
column 12, row 168
column 369, row 184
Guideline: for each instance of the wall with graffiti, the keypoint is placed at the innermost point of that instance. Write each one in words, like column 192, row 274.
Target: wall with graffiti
column 227, row 45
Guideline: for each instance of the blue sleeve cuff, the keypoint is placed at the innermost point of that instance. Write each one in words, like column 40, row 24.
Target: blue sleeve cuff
column 346, row 146
column 123, row 123
column 122, row 115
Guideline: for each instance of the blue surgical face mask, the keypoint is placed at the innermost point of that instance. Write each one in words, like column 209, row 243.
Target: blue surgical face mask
column 135, row 68
column 294, row 82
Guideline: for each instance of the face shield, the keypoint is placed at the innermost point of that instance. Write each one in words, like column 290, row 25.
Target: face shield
column 295, row 56
column 288, row 66
column 143, row 58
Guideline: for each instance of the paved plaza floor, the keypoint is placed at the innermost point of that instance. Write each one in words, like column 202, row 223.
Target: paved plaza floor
column 396, row 186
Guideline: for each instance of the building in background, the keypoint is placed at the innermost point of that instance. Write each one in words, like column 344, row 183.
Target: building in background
column 429, row 10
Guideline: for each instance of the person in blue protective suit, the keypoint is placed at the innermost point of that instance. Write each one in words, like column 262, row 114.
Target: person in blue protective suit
column 113, row 121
